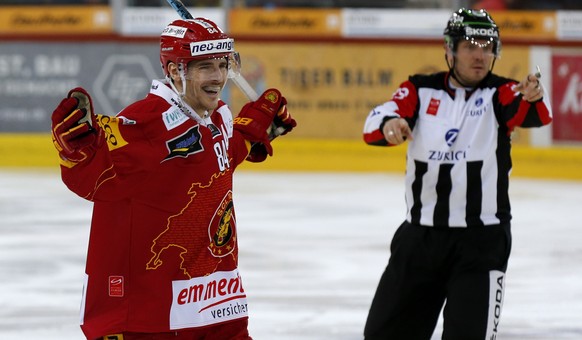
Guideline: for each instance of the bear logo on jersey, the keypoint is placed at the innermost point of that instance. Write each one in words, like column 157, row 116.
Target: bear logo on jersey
column 222, row 228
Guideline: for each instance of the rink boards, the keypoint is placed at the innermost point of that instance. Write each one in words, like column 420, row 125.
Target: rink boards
column 556, row 162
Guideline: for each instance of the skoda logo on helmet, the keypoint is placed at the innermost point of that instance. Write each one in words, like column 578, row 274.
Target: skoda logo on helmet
column 481, row 32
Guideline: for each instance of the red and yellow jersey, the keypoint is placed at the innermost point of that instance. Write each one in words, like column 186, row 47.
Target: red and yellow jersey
column 163, row 245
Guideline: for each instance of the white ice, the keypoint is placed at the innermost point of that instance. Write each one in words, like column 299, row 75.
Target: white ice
column 312, row 248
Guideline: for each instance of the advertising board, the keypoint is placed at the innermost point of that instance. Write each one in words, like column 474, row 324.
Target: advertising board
column 332, row 87
column 49, row 20
column 37, row 75
column 567, row 97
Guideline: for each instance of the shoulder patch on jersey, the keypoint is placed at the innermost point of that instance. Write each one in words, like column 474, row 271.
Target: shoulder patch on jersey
column 110, row 126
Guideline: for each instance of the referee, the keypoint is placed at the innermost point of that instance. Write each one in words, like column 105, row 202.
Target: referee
column 453, row 247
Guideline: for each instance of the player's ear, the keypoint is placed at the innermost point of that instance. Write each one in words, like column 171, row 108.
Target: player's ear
column 448, row 54
column 173, row 71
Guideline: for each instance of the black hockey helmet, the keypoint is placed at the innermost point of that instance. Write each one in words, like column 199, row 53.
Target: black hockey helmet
column 469, row 24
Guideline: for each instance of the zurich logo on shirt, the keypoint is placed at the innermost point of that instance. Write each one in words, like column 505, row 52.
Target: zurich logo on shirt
column 451, row 136
column 479, row 109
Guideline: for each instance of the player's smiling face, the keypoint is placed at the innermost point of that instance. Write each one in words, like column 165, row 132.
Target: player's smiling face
column 472, row 61
column 204, row 82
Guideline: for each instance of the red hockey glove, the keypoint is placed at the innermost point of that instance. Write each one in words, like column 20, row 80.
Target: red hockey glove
column 75, row 131
column 255, row 118
column 282, row 124
column 258, row 153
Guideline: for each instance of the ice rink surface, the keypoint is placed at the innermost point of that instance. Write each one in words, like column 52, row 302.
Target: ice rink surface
column 312, row 248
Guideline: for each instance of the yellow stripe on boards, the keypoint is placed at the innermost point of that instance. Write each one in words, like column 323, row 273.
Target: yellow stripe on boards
column 558, row 162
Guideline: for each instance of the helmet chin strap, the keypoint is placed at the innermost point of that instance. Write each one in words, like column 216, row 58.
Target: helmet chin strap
column 180, row 103
column 182, row 75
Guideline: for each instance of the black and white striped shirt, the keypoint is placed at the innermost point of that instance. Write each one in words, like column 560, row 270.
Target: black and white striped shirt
column 458, row 163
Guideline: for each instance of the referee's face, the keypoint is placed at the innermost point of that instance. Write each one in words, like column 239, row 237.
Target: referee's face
column 472, row 61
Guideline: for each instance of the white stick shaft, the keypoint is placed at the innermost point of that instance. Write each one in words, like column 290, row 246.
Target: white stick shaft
column 240, row 81
column 245, row 87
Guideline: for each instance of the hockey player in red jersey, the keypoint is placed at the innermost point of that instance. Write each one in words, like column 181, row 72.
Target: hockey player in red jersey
column 454, row 244
column 163, row 254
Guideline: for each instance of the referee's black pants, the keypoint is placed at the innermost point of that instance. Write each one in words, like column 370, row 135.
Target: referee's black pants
column 463, row 266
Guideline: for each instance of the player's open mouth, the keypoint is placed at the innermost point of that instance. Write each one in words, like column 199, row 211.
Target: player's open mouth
column 212, row 90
